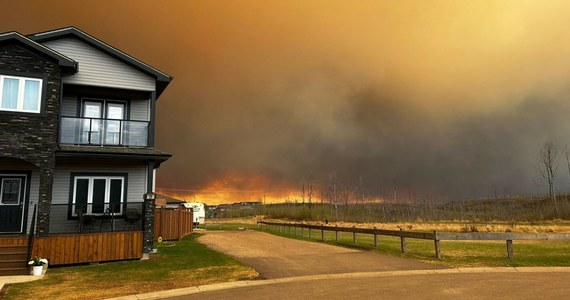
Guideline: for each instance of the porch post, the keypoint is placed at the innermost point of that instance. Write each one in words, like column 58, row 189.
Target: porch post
column 44, row 202
column 148, row 234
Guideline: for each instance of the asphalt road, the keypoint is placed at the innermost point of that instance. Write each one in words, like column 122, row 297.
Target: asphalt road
column 431, row 286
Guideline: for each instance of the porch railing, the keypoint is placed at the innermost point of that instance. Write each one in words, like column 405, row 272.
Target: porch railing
column 92, row 131
column 96, row 217
column 32, row 233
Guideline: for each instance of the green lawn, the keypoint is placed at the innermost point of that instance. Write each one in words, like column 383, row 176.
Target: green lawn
column 454, row 253
column 176, row 265
column 227, row 226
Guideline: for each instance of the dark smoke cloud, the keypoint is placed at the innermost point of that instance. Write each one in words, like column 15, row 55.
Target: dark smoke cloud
column 439, row 98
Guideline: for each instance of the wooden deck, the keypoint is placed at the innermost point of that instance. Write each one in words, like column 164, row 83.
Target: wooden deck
column 13, row 240
column 66, row 249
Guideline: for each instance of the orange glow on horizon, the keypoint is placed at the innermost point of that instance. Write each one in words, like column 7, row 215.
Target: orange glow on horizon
column 234, row 188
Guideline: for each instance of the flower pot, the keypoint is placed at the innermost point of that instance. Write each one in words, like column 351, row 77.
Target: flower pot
column 37, row 270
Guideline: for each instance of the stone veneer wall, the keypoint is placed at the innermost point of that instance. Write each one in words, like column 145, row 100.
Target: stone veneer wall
column 28, row 136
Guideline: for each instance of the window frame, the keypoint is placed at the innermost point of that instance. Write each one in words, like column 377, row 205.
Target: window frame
column 90, row 188
column 21, row 190
column 21, row 91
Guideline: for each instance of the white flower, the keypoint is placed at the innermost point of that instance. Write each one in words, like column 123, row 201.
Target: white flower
column 38, row 261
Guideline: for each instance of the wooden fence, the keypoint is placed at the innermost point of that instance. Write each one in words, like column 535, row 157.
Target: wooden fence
column 92, row 247
column 172, row 224
column 435, row 236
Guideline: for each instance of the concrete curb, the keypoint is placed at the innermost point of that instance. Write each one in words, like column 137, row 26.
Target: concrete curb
column 238, row 284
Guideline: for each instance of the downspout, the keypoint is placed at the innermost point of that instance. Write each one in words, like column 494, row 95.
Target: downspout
column 152, row 117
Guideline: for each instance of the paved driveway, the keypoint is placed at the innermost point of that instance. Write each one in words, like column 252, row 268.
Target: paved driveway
column 277, row 257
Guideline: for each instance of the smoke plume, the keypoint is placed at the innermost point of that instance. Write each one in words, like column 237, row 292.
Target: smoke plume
column 441, row 98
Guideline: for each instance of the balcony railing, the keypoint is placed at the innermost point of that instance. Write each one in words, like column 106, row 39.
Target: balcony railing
column 91, row 131
column 96, row 217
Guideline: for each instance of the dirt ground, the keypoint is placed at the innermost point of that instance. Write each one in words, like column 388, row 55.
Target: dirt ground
column 277, row 257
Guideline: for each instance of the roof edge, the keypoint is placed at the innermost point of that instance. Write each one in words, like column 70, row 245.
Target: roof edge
column 64, row 62
column 97, row 43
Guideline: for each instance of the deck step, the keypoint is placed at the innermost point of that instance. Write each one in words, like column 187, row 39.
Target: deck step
column 13, row 263
column 14, row 271
column 4, row 249
column 13, row 260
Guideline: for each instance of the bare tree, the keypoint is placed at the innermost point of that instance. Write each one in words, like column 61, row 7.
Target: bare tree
column 547, row 166
column 567, row 158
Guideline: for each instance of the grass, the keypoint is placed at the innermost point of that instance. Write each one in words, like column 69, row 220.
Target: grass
column 227, row 226
column 176, row 265
column 454, row 253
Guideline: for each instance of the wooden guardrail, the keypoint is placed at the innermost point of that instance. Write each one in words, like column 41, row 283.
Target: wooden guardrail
column 64, row 249
column 435, row 236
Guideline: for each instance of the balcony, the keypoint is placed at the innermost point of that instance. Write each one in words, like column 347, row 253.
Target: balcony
column 103, row 132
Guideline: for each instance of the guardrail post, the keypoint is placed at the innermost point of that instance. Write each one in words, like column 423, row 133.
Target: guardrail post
column 375, row 238
column 354, row 234
column 295, row 229
column 403, row 242
column 510, row 250
column 322, row 232
column 436, row 244
column 288, row 229
column 335, row 233
column 309, row 232
column 302, row 231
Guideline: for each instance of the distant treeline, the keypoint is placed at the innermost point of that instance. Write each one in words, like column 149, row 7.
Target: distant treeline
column 512, row 209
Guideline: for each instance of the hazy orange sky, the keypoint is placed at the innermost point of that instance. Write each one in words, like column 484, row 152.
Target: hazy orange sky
column 443, row 98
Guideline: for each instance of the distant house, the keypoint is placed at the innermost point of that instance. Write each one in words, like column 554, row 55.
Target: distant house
column 77, row 130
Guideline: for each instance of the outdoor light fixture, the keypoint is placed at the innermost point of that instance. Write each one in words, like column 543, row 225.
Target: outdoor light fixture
column 150, row 196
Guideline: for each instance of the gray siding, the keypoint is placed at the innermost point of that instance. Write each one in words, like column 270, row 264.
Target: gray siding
column 69, row 107
column 99, row 69
column 136, row 179
column 139, row 110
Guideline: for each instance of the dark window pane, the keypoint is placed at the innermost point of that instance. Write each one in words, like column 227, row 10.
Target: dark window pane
column 81, row 191
column 11, row 191
column 115, row 195
column 99, row 196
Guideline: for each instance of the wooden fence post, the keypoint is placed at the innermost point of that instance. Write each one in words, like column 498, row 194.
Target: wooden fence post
column 375, row 238
column 336, row 232
column 436, row 245
column 403, row 242
column 510, row 250
column 322, row 232
column 353, row 234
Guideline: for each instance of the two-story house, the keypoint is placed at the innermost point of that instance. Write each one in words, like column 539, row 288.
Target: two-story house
column 77, row 129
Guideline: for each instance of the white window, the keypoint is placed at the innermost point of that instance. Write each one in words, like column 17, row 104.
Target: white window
column 97, row 195
column 20, row 94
